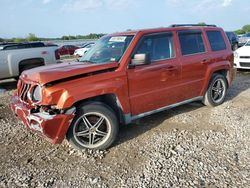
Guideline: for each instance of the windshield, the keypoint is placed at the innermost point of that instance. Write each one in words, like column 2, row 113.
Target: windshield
column 248, row 43
column 107, row 49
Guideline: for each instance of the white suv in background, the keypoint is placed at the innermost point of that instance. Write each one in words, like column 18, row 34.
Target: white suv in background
column 242, row 57
column 81, row 51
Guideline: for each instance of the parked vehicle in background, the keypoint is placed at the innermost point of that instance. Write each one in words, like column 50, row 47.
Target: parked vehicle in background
column 239, row 36
column 81, row 51
column 123, row 77
column 15, row 58
column 242, row 57
column 243, row 39
column 67, row 50
column 234, row 40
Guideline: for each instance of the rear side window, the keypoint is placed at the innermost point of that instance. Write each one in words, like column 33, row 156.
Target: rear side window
column 159, row 46
column 191, row 42
column 37, row 45
column 216, row 40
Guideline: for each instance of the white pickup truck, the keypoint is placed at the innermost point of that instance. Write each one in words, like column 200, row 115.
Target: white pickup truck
column 15, row 58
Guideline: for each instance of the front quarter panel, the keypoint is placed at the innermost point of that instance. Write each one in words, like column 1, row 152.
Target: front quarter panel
column 66, row 94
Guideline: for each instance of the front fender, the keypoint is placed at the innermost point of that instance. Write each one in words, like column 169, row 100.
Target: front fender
column 67, row 94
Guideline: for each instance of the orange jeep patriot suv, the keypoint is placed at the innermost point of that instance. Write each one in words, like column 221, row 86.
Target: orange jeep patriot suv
column 123, row 77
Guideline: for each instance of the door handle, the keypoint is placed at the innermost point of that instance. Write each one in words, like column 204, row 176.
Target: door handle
column 205, row 61
column 171, row 68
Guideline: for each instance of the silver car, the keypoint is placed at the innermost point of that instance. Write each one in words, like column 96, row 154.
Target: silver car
column 244, row 39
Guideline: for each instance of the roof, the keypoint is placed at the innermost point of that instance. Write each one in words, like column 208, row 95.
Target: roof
column 170, row 28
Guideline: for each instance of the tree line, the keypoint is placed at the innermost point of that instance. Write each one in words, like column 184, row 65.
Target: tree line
column 243, row 30
column 32, row 38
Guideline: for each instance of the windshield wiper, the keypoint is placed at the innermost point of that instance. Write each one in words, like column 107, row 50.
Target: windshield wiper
column 87, row 61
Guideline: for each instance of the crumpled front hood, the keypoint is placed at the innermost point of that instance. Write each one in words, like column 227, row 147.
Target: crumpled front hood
column 51, row 73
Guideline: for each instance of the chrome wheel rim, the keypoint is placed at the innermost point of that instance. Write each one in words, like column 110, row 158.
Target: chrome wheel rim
column 92, row 129
column 218, row 90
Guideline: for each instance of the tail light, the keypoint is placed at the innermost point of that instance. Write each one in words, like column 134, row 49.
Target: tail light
column 57, row 54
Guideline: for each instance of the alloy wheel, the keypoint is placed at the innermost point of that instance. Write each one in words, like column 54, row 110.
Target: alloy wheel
column 218, row 90
column 92, row 130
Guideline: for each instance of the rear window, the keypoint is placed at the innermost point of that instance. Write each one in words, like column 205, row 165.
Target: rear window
column 216, row 40
column 191, row 42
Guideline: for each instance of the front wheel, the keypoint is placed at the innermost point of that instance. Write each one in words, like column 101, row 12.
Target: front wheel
column 95, row 126
column 216, row 92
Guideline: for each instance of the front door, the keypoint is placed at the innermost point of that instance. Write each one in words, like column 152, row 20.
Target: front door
column 154, row 85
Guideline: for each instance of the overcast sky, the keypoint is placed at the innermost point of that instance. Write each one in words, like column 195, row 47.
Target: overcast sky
column 54, row 18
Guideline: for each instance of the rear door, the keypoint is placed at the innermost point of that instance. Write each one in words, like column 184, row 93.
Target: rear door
column 155, row 85
column 194, row 59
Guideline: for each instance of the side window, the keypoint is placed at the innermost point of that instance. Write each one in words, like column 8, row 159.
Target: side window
column 159, row 46
column 216, row 40
column 26, row 46
column 191, row 42
column 37, row 45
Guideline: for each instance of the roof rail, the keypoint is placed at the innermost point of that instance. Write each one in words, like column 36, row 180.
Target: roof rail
column 188, row 25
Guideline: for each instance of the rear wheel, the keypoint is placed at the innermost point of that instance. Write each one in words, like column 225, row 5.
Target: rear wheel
column 216, row 92
column 95, row 126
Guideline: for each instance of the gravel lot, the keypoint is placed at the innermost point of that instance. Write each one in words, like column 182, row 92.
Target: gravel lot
column 188, row 146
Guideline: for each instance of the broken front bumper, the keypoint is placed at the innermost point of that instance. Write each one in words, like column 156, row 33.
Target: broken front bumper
column 52, row 127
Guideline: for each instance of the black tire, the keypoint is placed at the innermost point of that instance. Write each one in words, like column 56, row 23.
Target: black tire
column 216, row 92
column 82, row 134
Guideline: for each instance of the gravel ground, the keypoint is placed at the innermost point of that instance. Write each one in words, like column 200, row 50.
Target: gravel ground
column 188, row 146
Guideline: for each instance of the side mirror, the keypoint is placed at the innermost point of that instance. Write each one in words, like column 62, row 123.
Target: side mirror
column 140, row 59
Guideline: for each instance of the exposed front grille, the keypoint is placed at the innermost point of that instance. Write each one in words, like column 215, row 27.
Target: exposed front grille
column 245, row 57
column 23, row 89
column 244, row 64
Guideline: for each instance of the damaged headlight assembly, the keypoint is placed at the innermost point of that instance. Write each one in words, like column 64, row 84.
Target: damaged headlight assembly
column 37, row 94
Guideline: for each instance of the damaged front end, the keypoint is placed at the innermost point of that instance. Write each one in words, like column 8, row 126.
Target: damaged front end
column 47, row 121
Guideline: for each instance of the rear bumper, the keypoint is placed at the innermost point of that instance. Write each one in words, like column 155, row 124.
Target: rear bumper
column 52, row 127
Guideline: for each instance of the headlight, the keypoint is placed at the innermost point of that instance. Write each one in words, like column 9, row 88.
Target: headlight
column 236, row 55
column 37, row 94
